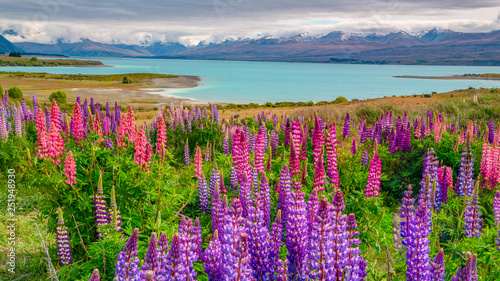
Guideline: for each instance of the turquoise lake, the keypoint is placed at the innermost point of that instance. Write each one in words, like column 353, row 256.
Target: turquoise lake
column 260, row 82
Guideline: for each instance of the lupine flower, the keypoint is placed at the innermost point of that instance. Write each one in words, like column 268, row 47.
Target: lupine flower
column 70, row 169
column 214, row 180
column 285, row 185
column 222, row 186
column 238, row 266
column 203, row 193
column 55, row 144
column 437, row 267
column 101, row 215
column 152, row 259
column 259, row 151
column 354, row 150
column 208, row 152
column 141, row 150
column 294, row 160
column 465, row 184
column 127, row 265
column 374, row 172
column 491, row 131
column 274, row 142
column 265, row 197
column 287, row 131
column 319, row 173
column 243, row 164
column 172, row 263
column 95, row 275
column 473, row 222
column 275, row 243
column 161, row 139
column 245, row 194
column 198, row 236
column 109, row 144
column 312, row 207
column 496, row 211
column 340, row 236
column 418, row 245
column 331, row 156
column 212, row 258
column 346, row 130
column 317, row 140
column 3, row 127
column 163, row 247
column 392, row 142
column 114, row 213
column 258, row 241
column 296, row 233
column 407, row 211
column 187, row 155
column 364, row 158
column 320, row 250
column 297, row 135
column 77, row 123
column 197, row 162
column 234, row 178
column 41, row 129
column 443, row 184
column 464, row 273
column 225, row 145
column 188, row 250
column 63, row 246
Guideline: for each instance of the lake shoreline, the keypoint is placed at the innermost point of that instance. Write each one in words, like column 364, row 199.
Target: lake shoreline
column 453, row 77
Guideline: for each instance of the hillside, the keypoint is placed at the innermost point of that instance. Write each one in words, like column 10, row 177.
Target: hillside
column 6, row 46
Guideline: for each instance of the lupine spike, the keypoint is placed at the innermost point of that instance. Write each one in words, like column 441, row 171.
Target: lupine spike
column 63, row 245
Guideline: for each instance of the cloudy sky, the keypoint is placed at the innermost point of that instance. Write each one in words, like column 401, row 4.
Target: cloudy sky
column 192, row 21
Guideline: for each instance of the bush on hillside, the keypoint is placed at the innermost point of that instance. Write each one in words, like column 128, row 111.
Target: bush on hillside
column 60, row 97
column 15, row 93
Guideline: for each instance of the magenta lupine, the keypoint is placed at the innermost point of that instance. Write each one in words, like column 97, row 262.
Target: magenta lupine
column 496, row 211
column 63, row 245
column 317, row 140
column 294, row 160
column 197, row 163
column 161, row 139
column 320, row 248
column 296, row 233
column 296, row 135
column 77, row 123
column 141, row 154
column 70, row 169
column 443, row 184
column 203, row 193
column 374, row 175
column 354, row 150
column 260, row 148
column 287, row 131
column 340, row 236
column 473, row 221
column 331, row 155
column 95, row 275
column 258, row 241
column 187, row 155
column 222, row 186
column 265, row 197
column 188, row 250
column 417, row 244
column 437, row 267
column 152, row 258
column 319, row 173
column 244, row 160
column 41, row 129
column 127, row 265
column 212, row 258
column 101, row 215
column 303, row 149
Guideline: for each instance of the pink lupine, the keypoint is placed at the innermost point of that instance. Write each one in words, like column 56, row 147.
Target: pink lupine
column 294, row 159
column 161, row 138
column 331, row 155
column 142, row 150
column 375, row 170
column 303, row 149
column 317, row 140
column 319, row 173
column 259, row 151
column 296, row 135
column 130, row 125
column 77, row 123
column 70, row 169
column 41, row 129
column 54, row 114
column 55, row 143
column 244, row 159
column 197, row 162
column 96, row 125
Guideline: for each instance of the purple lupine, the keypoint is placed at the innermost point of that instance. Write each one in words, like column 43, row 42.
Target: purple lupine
column 188, row 250
column 464, row 272
column 225, row 145
column 285, row 185
column 152, row 259
column 437, row 267
column 274, row 142
column 296, row 233
column 287, row 132
column 418, row 245
column 346, row 130
column 374, row 174
column 237, row 267
column 265, row 197
column 407, row 211
column 354, row 150
column 473, row 221
column 364, row 158
column 465, row 184
column 172, row 262
column 203, row 193
column 331, row 155
column 392, row 142
column 163, row 247
column 114, row 214
column 234, row 178
column 320, row 251
column 312, row 207
column 258, row 240
column 245, row 194
column 63, row 246
column 187, row 154
column 340, row 236
column 275, row 243
column 214, row 180
column 443, row 184
column 198, row 236
column 212, row 258
column 496, row 210
column 218, row 210
column 101, row 215
column 95, row 275
column 127, row 265
column 353, row 257
column 491, row 131
column 109, row 144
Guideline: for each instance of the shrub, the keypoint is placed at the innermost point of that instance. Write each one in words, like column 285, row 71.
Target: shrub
column 126, row 80
column 340, row 100
column 34, row 59
column 1, row 90
column 15, row 93
column 15, row 54
column 60, row 97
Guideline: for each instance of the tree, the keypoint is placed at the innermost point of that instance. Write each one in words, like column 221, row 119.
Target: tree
column 15, row 93
column 34, row 59
column 15, row 54
column 126, row 80
column 59, row 96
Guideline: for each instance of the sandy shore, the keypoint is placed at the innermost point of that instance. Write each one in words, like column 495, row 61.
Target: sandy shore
column 452, row 77
column 145, row 94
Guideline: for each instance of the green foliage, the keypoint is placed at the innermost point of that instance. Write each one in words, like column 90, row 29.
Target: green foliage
column 15, row 54
column 126, row 80
column 340, row 100
column 15, row 93
column 1, row 90
column 34, row 59
column 60, row 97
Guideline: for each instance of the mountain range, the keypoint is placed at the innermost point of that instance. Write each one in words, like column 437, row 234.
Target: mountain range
column 431, row 47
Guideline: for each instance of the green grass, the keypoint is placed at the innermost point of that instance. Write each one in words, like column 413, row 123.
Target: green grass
column 15, row 61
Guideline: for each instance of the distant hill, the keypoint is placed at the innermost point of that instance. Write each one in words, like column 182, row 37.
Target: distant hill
column 7, row 47
column 431, row 47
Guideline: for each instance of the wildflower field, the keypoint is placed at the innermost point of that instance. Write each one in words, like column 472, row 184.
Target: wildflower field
column 192, row 196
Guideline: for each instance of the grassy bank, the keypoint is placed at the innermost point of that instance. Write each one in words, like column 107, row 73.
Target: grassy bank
column 34, row 61
column 135, row 77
